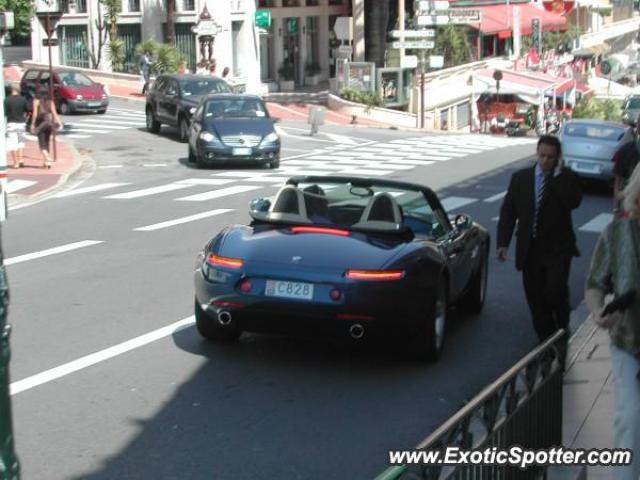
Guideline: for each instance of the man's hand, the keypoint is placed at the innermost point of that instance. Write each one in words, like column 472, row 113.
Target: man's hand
column 501, row 253
column 608, row 320
column 559, row 167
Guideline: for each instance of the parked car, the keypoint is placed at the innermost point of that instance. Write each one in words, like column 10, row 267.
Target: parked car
column 588, row 146
column 172, row 100
column 233, row 128
column 346, row 256
column 73, row 91
column 631, row 109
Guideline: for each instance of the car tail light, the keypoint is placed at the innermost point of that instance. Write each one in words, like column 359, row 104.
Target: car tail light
column 245, row 286
column 335, row 294
column 326, row 231
column 374, row 275
column 218, row 261
column 354, row 316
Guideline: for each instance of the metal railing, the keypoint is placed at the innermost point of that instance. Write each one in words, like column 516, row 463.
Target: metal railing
column 522, row 407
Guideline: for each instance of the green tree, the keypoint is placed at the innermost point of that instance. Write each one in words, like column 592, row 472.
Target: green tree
column 116, row 54
column 112, row 10
column 452, row 42
column 23, row 11
column 171, row 21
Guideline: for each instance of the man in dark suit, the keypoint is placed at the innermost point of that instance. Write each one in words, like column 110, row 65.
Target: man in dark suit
column 540, row 199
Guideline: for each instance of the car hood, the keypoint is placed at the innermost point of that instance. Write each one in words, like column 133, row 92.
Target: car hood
column 93, row 91
column 282, row 249
column 588, row 149
column 240, row 126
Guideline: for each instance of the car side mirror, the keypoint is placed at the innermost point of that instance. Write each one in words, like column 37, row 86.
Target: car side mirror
column 462, row 222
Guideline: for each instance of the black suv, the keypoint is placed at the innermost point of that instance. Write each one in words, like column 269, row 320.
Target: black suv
column 173, row 99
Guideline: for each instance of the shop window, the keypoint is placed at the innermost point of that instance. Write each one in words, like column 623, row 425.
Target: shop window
column 134, row 5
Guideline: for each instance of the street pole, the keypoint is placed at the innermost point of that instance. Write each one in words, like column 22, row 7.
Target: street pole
column 401, row 21
column 422, row 79
column 55, row 149
column 3, row 140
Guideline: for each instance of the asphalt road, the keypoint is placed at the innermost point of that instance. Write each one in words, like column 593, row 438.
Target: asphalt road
column 111, row 379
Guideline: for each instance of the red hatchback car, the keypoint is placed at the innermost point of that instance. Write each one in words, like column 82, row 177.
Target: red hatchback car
column 73, row 91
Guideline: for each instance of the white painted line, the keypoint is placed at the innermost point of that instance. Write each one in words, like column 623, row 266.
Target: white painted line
column 300, row 171
column 51, row 251
column 149, row 191
column 451, row 203
column 100, row 125
column 223, row 192
column 95, row 358
column 240, row 174
column 111, row 166
column 598, row 223
column 495, row 198
column 324, row 157
column 412, row 162
column 280, row 131
column 130, row 115
column 205, row 181
column 180, row 221
column 364, row 171
column 267, row 179
column 73, row 135
column 341, row 139
column 94, row 188
column 85, row 130
column 328, row 166
column 15, row 185
column 107, row 123
column 153, row 165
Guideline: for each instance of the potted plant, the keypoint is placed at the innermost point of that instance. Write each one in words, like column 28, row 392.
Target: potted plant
column 312, row 71
column 287, row 75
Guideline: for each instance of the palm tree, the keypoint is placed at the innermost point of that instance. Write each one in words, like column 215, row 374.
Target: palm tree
column 376, row 21
column 171, row 25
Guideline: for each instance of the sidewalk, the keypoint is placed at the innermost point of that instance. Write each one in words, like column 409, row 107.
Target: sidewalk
column 588, row 402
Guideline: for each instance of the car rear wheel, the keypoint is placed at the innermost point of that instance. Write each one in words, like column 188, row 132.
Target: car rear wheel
column 473, row 299
column 152, row 124
column 429, row 341
column 210, row 329
column 183, row 127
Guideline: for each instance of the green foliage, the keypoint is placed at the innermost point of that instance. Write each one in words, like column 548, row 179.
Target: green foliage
column 598, row 109
column 452, row 42
column 116, row 54
column 370, row 99
column 148, row 46
column 167, row 59
column 22, row 12
column 112, row 10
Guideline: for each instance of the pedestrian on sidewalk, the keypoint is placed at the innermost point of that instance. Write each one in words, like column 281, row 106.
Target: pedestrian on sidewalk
column 44, row 122
column 212, row 67
column 16, row 110
column 624, row 161
column 182, row 69
column 540, row 199
column 615, row 269
column 145, row 70
column 201, row 68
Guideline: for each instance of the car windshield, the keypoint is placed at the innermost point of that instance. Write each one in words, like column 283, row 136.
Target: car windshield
column 633, row 103
column 597, row 132
column 237, row 108
column 192, row 87
column 74, row 79
column 355, row 207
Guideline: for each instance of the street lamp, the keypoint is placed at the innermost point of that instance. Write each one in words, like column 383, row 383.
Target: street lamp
column 49, row 14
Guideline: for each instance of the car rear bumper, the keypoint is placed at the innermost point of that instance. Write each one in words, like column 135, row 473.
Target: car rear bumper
column 598, row 170
column 87, row 105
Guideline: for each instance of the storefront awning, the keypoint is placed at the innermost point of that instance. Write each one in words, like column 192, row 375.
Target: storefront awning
column 527, row 85
column 496, row 21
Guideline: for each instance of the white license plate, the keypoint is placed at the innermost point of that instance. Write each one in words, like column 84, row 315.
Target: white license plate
column 277, row 288
column 586, row 167
column 94, row 104
column 242, row 151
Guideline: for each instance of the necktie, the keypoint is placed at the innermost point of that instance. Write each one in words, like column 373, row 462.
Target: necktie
column 539, row 199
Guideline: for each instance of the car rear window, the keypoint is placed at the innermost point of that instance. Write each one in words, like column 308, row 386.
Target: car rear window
column 633, row 103
column 599, row 132
column 31, row 75
column 198, row 87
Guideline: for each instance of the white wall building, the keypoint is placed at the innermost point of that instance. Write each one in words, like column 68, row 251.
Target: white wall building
column 299, row 36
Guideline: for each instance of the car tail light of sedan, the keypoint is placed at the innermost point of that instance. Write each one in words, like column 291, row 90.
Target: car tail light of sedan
column 375, row 275
column 218, row 261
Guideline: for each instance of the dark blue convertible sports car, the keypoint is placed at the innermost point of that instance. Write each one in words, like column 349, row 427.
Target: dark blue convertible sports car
column 348, row 256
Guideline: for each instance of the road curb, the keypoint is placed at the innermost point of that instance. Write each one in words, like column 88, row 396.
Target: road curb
column 17, row 201
column 582, row 335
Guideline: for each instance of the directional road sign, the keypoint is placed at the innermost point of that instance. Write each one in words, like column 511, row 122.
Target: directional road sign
column 421, row 44
column 433, row 20
column 413, row 33
column 426, row 5
column 463, row 15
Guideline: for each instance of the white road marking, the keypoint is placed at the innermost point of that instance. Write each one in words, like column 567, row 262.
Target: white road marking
column 153, row 165
column 267, row 179
column 364, row 171
column 100, row 125
column 94, row 188
column 51, row 251
column 15, row 185
column 111, row 166
column 452, row 203
column 85, row 130
column 97, row 357
column 495, row 198
column 205, row 181
column 223, row 192
column 240, row 174
column 108, row 122
column 180, row 221
column 598, row 223
column 149, row 191
column 280, row 131
column 341, row 139
column 413, row 162
column 73, row 135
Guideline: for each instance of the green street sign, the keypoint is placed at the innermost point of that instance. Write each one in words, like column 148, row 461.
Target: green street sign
column 263, row 18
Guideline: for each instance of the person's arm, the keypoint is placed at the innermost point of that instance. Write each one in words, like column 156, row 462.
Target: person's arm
column 506, row 223
column 54, row 112
column 36, row 106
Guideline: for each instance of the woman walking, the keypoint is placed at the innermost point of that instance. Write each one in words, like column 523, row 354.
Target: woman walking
column 44, row 122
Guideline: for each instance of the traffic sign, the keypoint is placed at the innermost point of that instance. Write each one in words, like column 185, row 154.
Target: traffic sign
column 49, row 41
column 432, row 20
column 464, row 15
column 426, row 5
column 413, row 33
column 420, row 44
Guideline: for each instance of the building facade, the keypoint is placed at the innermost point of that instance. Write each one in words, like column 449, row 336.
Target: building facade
column 296, row 45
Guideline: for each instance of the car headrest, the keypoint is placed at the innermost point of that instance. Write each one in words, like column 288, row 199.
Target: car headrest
column 381, row 213
column 289, row 206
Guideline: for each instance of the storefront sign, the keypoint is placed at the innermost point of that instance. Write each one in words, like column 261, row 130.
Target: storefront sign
column 263, row 18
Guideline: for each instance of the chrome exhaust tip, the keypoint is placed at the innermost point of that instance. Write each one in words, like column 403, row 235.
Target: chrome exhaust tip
column 356, row 331
column 224, row 318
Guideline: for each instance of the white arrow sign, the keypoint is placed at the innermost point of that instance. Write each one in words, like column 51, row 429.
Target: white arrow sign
column 433, row 20
column 413, row 33
column 422, row 44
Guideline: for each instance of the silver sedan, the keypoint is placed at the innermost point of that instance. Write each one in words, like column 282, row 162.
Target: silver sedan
column 588, row 146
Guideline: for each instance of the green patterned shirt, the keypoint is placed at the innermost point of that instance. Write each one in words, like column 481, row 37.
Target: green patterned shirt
column 615, row 268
